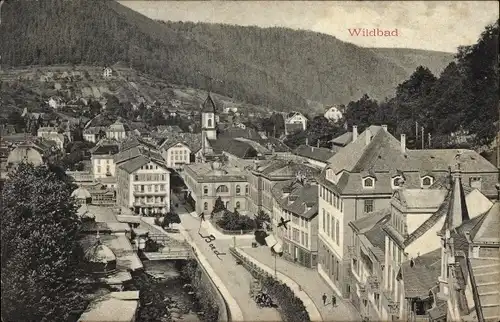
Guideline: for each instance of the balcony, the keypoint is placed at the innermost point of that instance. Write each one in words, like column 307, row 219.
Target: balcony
column 149, row 204
column 150, row 193
column 374, row 283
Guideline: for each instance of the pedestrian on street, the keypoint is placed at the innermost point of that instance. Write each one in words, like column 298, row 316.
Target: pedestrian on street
column 334, row 300
column 324, row 298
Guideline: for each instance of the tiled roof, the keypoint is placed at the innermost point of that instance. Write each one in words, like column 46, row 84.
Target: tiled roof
column 367, row 222
column 134, row 164
column 206, row 172
column 132, row 142
column 136, row 152
column 237, row 132
column 105, row 149
column 240, row 149
column 304, row 201
column 488, row 229
column 422, row 277
column 208, row 105
column 343, row 139
column 319, row 154
column 422, row 198
column 94, row 130
column 192, row 140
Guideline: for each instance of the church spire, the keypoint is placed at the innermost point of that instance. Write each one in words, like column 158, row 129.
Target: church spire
column 209, row 105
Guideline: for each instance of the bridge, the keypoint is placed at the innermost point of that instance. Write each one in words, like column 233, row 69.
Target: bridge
column 170, row 249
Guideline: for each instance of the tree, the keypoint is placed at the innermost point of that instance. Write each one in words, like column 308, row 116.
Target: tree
column 262, row 218
column 41, row 272
column 17, row 120
column 170, row 218
column 361, row 112
column 218, row 206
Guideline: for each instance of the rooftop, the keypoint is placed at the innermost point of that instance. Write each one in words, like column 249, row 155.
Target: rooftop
column 134, row 164
column 216, row 172
column 302, row 198
column 421, row 274
column 319, row 154
column 113, row 307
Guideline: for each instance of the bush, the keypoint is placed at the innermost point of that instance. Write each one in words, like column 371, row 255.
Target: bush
column 234, row 221
column 291, row 307
column 151, row 246
column 170, row 218
column 190, row 273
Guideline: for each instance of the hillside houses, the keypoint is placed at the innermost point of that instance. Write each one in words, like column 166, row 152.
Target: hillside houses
column 295, row 122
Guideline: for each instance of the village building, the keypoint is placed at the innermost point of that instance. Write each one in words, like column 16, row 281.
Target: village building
column 295, row 122
column 333, row 114
column 118, row 131
column 362, row 177
column 143, row 185
column 94, row 133
column 296, row 200
column 264, row 175
column 102, row 159
column 208, row 181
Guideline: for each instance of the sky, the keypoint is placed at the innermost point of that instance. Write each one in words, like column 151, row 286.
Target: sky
column 430, row 25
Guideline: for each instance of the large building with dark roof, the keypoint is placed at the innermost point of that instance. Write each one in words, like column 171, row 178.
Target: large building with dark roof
column 362, row 176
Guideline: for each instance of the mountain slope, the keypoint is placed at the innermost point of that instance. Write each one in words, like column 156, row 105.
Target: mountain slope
column 275, row 67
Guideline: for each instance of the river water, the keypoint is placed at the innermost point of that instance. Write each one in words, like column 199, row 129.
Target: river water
column 186, row 305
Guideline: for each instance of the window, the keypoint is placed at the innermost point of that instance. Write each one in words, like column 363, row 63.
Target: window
column 475, row 182
column 295, row 235
column 396, row 182
column 98, row 169
column 205, row 206
column 142, row 188
column 136, row 177
column 337, row 232
column 324, row 219
column 149, row 188
column 328, row 224
column 302, row 237
column 209, row 122
column 238, row 190
column 306, row 240
column 246, row 189
column 222, row 188
column 333, row 228
column 205, row 190
column 427, row 181
column 368, row 182
column 368, row 205
column 238, row 205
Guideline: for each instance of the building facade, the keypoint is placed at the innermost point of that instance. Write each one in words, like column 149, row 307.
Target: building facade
column 208, row 181
column 143, row 185
column 362, row 177
column 296, row 200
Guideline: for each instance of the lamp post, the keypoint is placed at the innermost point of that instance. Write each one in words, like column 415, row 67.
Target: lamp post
column 275, row 273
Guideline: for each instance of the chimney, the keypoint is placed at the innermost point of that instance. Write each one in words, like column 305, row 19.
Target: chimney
column 317, row 143
column 368, row 136
column 354, row 132
column 307, row 141
column 403, row 143
column 384, row 126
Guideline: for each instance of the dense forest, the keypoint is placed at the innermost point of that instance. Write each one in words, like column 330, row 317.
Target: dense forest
column 275, row 67
column 462, row 99
column 458, row 108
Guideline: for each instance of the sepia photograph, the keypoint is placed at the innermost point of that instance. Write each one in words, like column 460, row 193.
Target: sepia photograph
column 205, row 161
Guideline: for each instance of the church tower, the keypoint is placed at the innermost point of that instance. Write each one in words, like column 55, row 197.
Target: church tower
column 208, row 121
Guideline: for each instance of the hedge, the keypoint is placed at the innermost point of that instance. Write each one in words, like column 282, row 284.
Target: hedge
column 291, row 307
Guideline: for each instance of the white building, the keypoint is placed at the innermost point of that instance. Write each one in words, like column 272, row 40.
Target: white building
column 333, row 114
column 295, row 121
column 177, row 155
column 102, row 159
column 107, row 72
column 143, row 184
column 117, row 131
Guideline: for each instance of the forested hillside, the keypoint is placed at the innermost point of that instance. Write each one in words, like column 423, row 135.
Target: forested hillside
column 275, row 67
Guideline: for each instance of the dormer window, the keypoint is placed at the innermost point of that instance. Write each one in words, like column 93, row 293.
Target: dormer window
column 426, row 181
column 330, row 175
column 397, row 182
column 369, row 182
